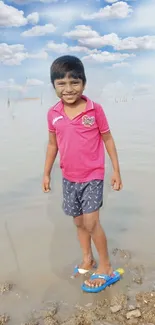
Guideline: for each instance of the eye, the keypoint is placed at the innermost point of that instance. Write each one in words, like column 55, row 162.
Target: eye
column 61, row 84
column 75, row 82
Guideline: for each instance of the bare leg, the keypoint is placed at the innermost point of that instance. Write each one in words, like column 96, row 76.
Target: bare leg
column 93, row 226
column 85, row 243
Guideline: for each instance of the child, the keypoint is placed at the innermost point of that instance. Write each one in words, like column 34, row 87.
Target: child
column 79, row 129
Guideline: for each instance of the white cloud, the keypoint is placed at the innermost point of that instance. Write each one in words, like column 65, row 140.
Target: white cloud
column 81, row 49
column 142, row 20
column 143, row 16
column 12, row 17
column 60, row 48
column 65, row 48
column 120, row 65
column 114, row 89
column 39, row 30
column 91, row 55
column 117, row 10
column 11, row 84
column 101, row 41
column 21, row 2
column 105, row 57
column 48, row 1
column 33, row 18
column 12, row 54
column 111, row 1
column 15, row 54
column 136, row 43
column 146, row 42
column 80, row 32
column 144, row 67
column 34, row 82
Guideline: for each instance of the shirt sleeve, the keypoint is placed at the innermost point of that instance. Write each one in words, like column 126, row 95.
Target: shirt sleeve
column 51, row 127
column 101, row 120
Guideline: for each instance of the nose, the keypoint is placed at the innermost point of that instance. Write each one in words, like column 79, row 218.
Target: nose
column 68, row 88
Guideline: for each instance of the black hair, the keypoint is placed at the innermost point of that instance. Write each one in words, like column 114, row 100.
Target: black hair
column 67, row 64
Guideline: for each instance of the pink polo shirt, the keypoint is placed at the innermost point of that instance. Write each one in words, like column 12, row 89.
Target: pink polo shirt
column 81, row 148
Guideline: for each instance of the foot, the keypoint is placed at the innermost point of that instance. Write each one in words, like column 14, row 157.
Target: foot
column 86, row 266
column 99, row 282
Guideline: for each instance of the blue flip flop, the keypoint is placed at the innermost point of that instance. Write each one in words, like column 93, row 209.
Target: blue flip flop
column 109, row 280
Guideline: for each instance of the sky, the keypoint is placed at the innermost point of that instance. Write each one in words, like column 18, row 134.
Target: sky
column 114, row 39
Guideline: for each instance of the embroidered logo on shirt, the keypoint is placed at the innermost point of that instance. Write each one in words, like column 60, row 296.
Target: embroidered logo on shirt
column 88, row 120
column 56, row 119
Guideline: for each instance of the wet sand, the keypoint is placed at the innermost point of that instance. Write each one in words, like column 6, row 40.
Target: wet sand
column 39, row 249
column 124, row 303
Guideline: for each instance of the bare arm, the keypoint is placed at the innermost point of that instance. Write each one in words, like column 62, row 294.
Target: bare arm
column 112, row 152
column 111, row 149
column 51, row 153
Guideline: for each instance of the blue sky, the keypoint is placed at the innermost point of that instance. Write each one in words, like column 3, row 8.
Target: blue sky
column 114, row 39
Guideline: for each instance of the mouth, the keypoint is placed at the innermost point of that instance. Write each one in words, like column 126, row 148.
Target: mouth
column 69, row 95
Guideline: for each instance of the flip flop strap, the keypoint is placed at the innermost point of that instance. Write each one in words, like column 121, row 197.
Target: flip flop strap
column 100, row 276
column 80, row 271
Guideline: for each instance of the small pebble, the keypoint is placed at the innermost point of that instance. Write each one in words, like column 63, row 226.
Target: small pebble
column 133, row 321
column 4, row 319
column 133, row 314
column 131, row 307
column 115, row 309
column 89, row 304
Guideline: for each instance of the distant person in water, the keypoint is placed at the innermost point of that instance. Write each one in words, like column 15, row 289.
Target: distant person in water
column 79, row 130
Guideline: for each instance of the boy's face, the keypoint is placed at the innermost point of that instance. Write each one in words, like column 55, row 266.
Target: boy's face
column 69, row 89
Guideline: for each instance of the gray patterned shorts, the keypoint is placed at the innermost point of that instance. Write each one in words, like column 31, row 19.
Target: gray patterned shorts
column 80, row 198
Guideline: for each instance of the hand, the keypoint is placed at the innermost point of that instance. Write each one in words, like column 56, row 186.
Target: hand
column 46, row 184
column 116, row 181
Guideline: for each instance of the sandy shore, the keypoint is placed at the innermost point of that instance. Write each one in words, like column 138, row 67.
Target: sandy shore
column 114, row 312
column 124, row 303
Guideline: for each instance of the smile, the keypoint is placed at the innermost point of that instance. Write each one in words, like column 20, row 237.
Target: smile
column 69, row 95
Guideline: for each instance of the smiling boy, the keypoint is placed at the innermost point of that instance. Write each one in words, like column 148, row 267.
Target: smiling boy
column 79, row 130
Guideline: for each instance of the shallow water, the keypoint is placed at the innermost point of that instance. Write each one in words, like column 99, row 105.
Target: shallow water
column 38, row 242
